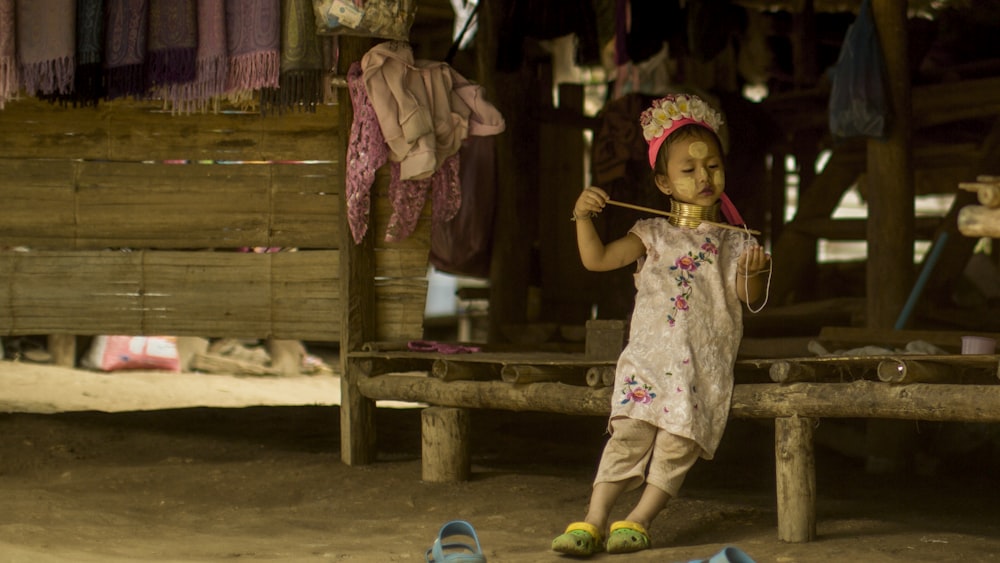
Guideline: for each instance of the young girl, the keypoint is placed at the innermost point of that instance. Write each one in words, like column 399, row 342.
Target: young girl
column 674, row 379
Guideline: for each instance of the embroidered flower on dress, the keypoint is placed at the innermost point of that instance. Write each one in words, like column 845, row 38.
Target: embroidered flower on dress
column 686, row 266
column 636, row 392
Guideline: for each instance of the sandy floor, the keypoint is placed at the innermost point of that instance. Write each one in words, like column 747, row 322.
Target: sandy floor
column 180, row 467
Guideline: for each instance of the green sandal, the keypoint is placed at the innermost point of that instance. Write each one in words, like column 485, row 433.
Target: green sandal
column 580, row 538
column 627, row 537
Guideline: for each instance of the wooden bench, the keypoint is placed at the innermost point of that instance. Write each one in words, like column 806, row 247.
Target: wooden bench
column 950, row 387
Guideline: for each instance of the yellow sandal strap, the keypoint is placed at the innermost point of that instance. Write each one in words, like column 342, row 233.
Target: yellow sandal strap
column 627, row 525
column 584, row 527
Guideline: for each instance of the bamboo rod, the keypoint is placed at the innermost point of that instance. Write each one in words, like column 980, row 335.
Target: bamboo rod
column 668, row 214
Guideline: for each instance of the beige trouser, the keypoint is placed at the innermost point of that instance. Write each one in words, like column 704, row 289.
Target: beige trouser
column 639, row 451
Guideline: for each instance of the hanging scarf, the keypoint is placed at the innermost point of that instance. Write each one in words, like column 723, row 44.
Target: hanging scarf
column 173, row 41
column 253, row 37
column 125, row 54
column 88, row 85
column 367, row 151
column 8, row 53
column 211, row 65
column 301, row 77
column 46, row 44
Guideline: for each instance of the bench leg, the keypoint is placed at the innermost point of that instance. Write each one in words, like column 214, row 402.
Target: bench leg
column 445, row 444
column 795, row 468
column 357, row 416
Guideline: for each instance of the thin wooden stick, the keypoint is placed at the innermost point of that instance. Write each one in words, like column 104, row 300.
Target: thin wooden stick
column 668, row 214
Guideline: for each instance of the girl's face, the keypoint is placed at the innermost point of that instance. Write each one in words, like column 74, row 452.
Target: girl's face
column 695, row 171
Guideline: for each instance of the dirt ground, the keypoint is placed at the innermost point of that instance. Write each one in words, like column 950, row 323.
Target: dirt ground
column 183, row 467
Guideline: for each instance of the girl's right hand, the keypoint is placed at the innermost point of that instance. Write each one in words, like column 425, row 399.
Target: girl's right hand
column 591, row 202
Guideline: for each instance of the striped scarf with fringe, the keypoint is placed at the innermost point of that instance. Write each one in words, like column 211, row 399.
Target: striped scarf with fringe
column 301, row 73
column 211, row 63
column 125, row 51
column 253, row 38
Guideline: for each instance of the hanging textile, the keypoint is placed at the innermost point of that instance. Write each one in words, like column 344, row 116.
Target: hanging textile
column 46, row 45
column 253, row 37
column 173, row 41
column 125, row 53
column 88, row 83
column 8, row 54
column 211, row 62
column 301, row 73
column 408, row 198
column 366, row 153
column 463, row 245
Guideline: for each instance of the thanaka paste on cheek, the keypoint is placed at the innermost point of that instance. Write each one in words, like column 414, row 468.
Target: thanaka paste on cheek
column 685, row 183
column 698, row 149
column 719, row 179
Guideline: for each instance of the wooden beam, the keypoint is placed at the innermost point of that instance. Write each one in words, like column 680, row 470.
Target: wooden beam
column 857, row 399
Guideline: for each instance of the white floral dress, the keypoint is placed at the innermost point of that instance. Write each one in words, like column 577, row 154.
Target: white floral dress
column 677, row 370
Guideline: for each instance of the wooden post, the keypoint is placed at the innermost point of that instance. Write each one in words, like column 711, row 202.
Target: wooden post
column 796, row 478
column 890, row 178
column 890, row 274
column 445, row 451
column 357, row 270
column 514, row 94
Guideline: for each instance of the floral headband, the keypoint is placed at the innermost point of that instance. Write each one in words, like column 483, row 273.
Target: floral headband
column 673, row 111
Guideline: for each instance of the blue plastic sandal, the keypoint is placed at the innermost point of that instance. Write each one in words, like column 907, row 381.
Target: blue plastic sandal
column 728, row 555
column 458, row 552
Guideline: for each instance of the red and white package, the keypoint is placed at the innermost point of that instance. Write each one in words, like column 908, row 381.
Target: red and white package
column 113, row 353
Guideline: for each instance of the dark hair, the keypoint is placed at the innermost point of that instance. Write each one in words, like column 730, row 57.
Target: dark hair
column 679, row 134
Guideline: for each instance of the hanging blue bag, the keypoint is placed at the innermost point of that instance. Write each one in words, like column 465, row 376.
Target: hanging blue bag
column 858, row 97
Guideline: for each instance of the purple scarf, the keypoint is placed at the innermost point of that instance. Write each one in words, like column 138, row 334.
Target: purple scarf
column 173, row 41
column 125, row 54
column 253, row 37
column 211, row 62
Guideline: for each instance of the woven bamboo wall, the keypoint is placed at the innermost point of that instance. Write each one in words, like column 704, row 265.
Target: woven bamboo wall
column 123, row 219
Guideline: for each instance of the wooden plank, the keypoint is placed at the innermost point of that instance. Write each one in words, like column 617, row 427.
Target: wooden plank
column 140, row 205
column 39, row 199
column 305, row 207
column 89, row 205
column 284, row 295
column 141, row 130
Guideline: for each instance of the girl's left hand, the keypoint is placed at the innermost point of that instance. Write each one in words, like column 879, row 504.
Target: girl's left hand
column 753, row 261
